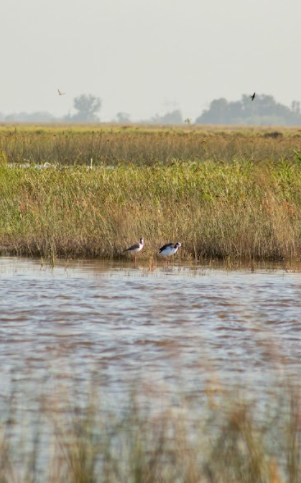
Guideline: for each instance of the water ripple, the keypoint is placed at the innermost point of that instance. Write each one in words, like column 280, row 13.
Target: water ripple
column 120, row 323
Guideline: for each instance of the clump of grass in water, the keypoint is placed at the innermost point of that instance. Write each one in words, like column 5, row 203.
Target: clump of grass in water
column 226, row 440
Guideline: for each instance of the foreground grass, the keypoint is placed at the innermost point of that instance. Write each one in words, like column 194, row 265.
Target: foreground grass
column 242, row 209
column 226, row 440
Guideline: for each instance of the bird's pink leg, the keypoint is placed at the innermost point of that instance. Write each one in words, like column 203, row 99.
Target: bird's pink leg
column 135, row 259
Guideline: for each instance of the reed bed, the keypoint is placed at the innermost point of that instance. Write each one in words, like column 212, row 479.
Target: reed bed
column 223, row 193
column 144, row 145
column 241, row 210
column 228, row 439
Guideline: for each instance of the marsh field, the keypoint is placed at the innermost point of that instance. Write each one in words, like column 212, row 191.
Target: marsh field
column 224, row 193
column 116, row 373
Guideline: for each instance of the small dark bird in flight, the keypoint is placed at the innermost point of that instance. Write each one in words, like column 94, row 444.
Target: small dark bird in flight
column 61, row 93
column 252, row 97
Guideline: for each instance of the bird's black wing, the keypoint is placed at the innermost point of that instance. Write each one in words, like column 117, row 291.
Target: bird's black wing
column 133, row 247
column 165, row 246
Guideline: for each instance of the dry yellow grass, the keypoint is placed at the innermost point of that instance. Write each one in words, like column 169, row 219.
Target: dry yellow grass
column 221, row 192
column 242, row 210
column 113, row 145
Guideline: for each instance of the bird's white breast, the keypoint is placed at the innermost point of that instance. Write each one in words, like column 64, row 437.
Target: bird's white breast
column 169, row 251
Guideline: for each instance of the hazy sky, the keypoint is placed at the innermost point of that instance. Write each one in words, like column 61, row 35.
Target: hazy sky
column 147, row 56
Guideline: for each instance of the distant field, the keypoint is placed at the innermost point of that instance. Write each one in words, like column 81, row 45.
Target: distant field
column 144, row 144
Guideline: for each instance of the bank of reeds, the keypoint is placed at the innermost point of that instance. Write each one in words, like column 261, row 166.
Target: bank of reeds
column 105, row 144
column 242, row 210
column 224, row 440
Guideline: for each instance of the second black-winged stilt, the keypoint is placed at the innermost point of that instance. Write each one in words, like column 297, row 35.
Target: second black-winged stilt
column 169, row 249
column 135, row 248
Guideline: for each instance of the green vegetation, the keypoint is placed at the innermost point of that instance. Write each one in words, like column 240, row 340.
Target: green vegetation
column 227, row 205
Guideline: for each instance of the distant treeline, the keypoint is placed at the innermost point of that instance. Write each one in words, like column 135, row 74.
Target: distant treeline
column 264, row 110
column 86, row 109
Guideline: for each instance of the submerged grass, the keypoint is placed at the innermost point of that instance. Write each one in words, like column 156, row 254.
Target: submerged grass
column 226, row 440
column 242, row 210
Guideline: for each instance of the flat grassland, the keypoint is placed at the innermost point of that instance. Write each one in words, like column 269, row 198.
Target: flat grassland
column 222, row 192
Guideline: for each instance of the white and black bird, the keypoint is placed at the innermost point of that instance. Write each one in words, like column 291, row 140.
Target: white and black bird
column 169, row 249
column 252, row 97
column 61, row 93
column 135, row 248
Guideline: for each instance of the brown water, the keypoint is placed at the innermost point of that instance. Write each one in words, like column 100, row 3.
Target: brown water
column 181, row 327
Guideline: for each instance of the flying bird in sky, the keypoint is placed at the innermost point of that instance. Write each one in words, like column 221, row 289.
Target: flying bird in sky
column 252, row 97
column 61, row 93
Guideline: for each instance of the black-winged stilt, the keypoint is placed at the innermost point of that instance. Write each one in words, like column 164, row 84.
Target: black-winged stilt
column 252, row 96
column 135, row 248
column 169, row 249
